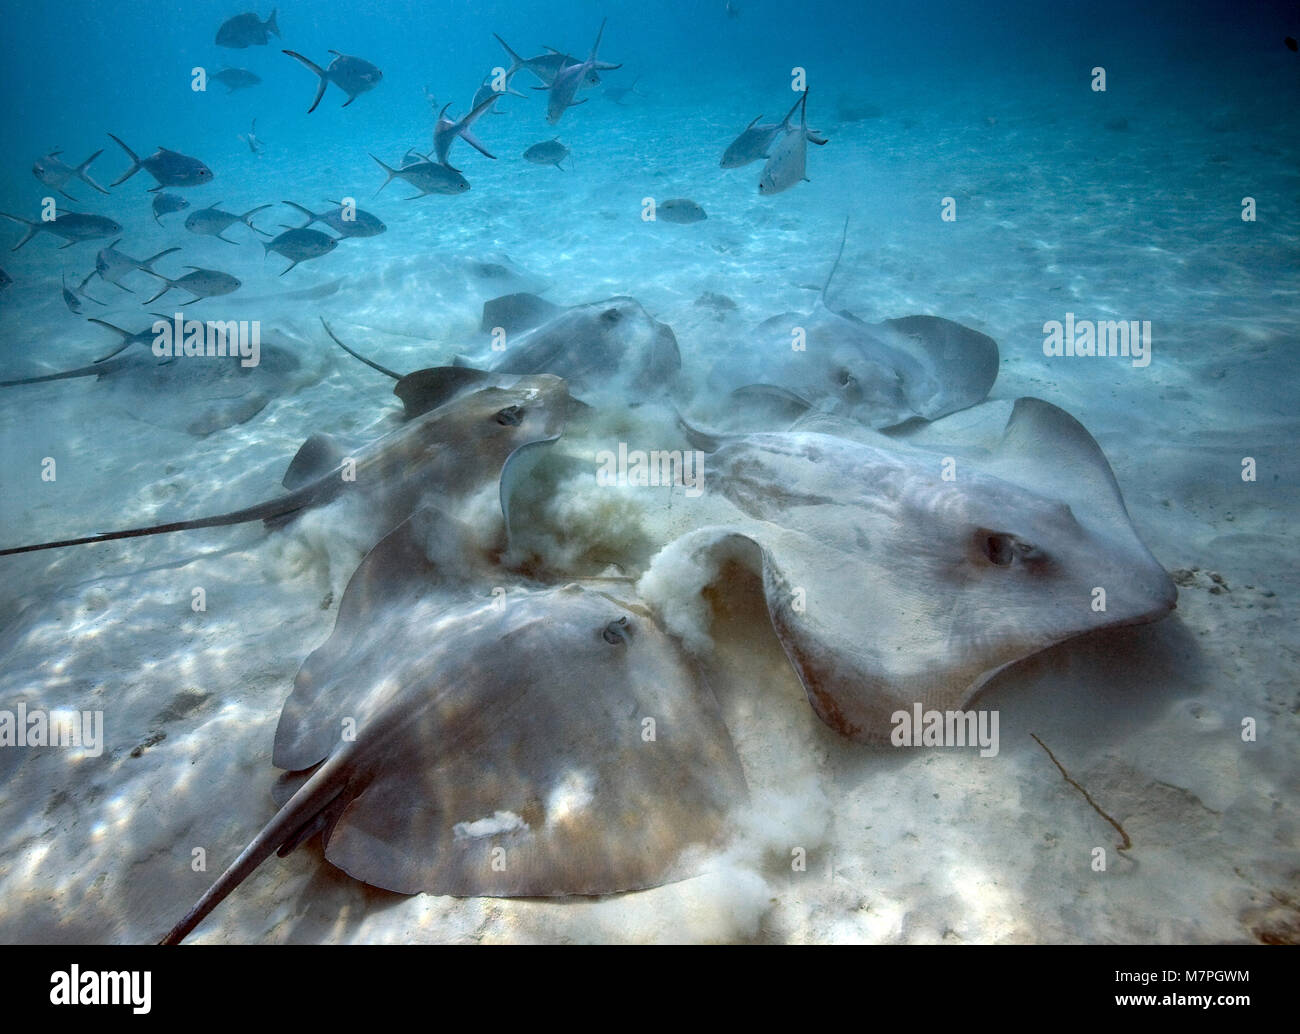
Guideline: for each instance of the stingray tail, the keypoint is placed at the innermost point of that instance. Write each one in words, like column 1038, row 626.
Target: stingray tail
column 356, row 355
column 844, row 236
column 324, row 81
column 313, row 797
column 287, row 504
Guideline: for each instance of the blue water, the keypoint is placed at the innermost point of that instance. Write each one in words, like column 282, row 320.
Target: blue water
column 1124, row 204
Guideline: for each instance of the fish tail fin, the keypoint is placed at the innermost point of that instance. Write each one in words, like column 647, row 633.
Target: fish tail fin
column 271, row 24
column 596, row 46
column 135, row 163
column 516, row 62
column 126, row 337
column 284, row 829
column 32, row 229
column 311, row 216
column 320, row 90
column 388, row 169
column 167, row 286
column 785, row 122
column 147, row 264
column 247, row 219
column 83, row 173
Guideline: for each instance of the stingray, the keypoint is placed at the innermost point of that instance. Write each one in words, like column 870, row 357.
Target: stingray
column 195, row 394
column 890, row 586
column 451, row 449
column 881, row 374
column 498, row 751
column 611, row 350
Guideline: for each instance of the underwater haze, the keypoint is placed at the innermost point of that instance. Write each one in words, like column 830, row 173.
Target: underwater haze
column 806, row 473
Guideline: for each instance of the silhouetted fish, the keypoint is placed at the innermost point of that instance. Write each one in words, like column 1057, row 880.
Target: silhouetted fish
column 247, row 30
column 237, row 78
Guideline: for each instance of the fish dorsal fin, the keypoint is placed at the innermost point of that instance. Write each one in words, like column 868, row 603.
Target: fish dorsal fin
column 428, row 389
column 315, row 458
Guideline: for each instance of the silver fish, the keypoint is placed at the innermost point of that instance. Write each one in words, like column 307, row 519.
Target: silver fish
column 568, row 80
column 545, row 67
column 755, row 142
column 346, row 222
column 300, row 245
column 202, row 283
column 111, row 265
column 548, row 152
column 353, row 75
column 447, row 130
column 166, row 204
column 426, row 177
column 53, row 172
column 169, row 168
column 212, row 222
column 788, row 161
column 73, row 227
column 679, row 210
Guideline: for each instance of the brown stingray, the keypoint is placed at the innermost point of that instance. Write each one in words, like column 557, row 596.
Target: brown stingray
column 451, row 450
column 551, row 743
column 891, row 584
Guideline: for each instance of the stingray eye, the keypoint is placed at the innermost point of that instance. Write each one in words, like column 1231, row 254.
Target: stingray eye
column 617, row 631
column 611, row 316
column 511, row 416
column 999, row 549
column 1003, row 550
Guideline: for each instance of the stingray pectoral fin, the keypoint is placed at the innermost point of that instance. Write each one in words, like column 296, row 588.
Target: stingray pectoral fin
column 962, row 363
column 568, row 802
column 773, row 399
column 430, row 388
column 316, row 457
column 516, row 313
column 316, row 794
column 430, row 555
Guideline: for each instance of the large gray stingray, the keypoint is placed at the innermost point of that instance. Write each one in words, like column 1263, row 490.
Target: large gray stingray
column 497, row 750
column 197, row 394
column 890, row 585
column 609, row 350
column 880, row 374
column 449, row 450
